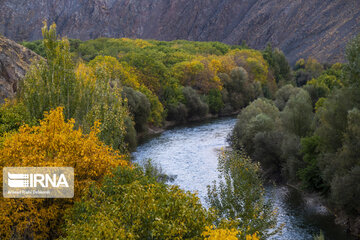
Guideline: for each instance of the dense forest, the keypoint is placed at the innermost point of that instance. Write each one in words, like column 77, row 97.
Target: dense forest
column 85, row 102
column 309, row 133
column 176, row 81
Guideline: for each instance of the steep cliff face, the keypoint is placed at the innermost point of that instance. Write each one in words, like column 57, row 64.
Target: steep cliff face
column 14, row 62
column 301, row 28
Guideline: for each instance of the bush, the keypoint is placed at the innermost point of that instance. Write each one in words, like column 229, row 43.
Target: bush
column 53, row 143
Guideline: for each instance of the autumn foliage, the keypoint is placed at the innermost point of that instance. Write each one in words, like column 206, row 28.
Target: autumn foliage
column 54, row 143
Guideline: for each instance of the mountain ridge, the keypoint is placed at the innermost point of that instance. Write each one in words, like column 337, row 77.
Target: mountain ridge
column 300, row 28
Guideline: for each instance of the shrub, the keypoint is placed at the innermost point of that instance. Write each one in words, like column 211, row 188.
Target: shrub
column 53, row 143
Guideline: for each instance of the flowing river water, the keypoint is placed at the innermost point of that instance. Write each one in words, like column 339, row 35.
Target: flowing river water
column 190, row 153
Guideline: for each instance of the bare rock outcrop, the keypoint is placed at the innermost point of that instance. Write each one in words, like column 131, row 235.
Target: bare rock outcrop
column 301, row 28
column 15, row 60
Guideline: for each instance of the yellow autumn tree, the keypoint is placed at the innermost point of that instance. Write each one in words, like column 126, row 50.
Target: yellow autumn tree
column 213, row 233
column 54, row 143
column 121, row 74
column 199, row 73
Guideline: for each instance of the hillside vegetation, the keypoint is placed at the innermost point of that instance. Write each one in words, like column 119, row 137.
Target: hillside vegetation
column 176, row 81
column 298, row 125
column 80, row 108
column 309, row 135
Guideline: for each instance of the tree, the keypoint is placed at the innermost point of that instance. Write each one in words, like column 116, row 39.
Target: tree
column 214, row 100
column 239, row 196
column 279, row 65
column 195, row 105
column 139, row 106
column 87, row 95
column 52, row 83
column 53, row 143
column 283, row 95
column 298, row 114
column 352, row 68
column 310, row 175
column 131, row 204
column 260, row 116
column 13, row 114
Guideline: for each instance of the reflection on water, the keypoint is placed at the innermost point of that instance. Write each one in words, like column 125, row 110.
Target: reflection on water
column 190, row 153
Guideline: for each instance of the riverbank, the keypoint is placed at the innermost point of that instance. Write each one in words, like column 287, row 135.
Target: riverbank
column 318, row 203
column 189, row 152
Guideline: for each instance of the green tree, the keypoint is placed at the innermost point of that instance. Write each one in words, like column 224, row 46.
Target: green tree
column 283, row 95
column 87, row 96
column 195, row 105
column 279, row 65
column 214, row 100
column 260, row 116
column 310, row 175
column 139, row 106
column 297, row 116
column 352, row 68
column 239, row 196
column 52, row 82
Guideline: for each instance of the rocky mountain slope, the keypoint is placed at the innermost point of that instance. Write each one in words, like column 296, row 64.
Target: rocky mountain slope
column 301, row 28
column 14, row 62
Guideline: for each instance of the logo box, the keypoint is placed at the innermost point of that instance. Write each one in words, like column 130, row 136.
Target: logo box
column 38, row 182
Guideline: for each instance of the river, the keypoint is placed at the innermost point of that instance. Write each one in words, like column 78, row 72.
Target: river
column 190, row 153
